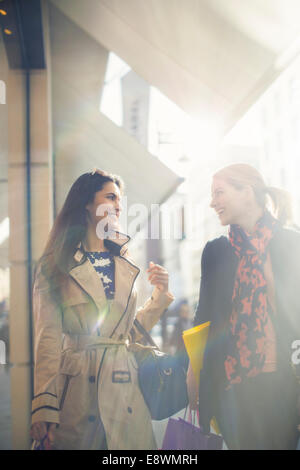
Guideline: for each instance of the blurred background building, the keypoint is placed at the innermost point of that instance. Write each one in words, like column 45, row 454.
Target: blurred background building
column 162, row 92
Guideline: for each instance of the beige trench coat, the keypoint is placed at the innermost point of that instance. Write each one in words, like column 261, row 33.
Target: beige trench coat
column 81, row 375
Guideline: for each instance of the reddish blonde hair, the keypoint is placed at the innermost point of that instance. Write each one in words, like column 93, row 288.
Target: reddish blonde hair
column 241, row 174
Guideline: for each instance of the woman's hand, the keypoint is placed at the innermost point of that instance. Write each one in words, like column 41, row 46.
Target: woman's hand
column 192, row 387
column 158, row 277
column 40, row 429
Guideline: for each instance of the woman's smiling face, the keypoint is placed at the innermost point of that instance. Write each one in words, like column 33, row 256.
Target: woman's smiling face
column 228, row 202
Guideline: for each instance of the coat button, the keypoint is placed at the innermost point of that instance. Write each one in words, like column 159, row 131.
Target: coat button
column 92, row 418
column 129, row 409
column 92, row 379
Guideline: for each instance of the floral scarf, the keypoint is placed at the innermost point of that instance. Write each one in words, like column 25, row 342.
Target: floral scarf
column 251, row 309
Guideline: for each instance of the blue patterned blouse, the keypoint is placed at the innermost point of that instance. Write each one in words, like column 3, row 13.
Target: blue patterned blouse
column 104, row 265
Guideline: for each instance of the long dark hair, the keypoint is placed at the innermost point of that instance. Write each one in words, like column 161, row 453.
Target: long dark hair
column 70, row 227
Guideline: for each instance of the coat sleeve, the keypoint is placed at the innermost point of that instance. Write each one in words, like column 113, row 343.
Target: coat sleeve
column 47, row 352
column 149, row 314
column 202, row 313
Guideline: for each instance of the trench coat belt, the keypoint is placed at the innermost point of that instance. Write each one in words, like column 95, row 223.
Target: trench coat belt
column 78, row 342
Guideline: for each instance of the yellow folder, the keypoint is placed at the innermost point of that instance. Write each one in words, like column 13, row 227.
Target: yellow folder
column 195, row 342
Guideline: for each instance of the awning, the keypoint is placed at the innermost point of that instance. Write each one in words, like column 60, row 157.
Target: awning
column 212, row 57
column 83, row 138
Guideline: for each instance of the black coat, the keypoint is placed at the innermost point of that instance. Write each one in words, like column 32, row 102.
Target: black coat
column 219, row 264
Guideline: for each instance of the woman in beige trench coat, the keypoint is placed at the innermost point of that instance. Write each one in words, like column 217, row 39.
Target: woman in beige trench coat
column 86, row 391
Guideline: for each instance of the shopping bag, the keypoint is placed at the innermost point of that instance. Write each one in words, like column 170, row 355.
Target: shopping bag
column 185, row 435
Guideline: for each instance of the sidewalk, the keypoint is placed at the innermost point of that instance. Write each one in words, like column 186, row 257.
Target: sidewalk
column 5, row 422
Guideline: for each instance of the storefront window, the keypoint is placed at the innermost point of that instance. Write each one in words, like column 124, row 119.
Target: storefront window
column 5, row 426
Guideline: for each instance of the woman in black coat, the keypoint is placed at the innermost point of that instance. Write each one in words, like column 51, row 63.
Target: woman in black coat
column 250, row 293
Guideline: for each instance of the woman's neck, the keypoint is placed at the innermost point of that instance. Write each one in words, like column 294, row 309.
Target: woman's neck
column 92, row 243
column 249, row 221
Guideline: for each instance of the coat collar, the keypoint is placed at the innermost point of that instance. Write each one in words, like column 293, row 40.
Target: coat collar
column 115, row 245
column 125, row 274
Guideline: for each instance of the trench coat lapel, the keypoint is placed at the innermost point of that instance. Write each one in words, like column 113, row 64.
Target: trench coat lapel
column 110, row 312
column 86, row 276
column 125, row 275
